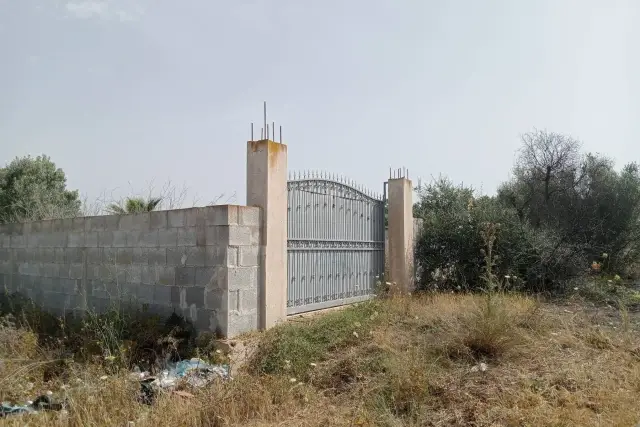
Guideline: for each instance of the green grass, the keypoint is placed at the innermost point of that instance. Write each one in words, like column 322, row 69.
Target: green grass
column 293, row 347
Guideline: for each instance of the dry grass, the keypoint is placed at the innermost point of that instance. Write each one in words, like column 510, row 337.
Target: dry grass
column 400, row 361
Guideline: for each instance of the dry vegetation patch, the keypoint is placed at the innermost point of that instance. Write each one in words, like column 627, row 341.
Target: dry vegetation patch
column 441, row 359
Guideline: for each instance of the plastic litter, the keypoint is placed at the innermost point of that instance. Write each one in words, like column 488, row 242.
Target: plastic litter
column 195, row 372
column 41, row 403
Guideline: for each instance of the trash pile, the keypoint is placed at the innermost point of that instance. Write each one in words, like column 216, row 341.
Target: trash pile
column 42, row 403
column 194, row 372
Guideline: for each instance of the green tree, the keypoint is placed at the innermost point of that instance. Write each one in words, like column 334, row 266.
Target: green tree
column 560, row 211
column 34, row 189
column 578, row 201
column 134, row 205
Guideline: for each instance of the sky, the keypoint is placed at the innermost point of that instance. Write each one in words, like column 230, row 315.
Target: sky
column 128, row 95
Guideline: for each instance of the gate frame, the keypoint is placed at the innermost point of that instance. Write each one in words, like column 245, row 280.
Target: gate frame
column 332, row 185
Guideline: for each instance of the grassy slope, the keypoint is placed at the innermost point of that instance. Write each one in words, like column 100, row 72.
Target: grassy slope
column 402, row 361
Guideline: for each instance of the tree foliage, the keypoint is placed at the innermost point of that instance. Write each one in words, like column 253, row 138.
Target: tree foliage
column 134, row 205
column 560, row 211
column 33, row 189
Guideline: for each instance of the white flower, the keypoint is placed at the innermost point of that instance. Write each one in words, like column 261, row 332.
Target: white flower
column 292, row 380
column 104, row 377
column 507, row 277
column 355, row 334
column 313, row 365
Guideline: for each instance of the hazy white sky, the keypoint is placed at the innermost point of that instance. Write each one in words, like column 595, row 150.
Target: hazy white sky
column 123, row 92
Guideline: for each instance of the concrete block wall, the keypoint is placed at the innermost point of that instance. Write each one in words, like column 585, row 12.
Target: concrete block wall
column 202, row 263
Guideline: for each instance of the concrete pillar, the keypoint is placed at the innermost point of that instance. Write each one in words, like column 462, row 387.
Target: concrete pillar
column 400, row 232
column 267, row 188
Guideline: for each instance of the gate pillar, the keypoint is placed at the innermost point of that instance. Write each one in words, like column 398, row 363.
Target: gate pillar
column 267, row 188
column 400, row 231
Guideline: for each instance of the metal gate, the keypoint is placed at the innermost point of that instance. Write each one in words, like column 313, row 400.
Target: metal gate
column 335, row 247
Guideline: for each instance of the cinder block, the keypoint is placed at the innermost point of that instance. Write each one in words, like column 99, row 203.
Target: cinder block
column 45, row 255
column 256, row 236
column 145, row 293
column 148, row 274
column 157, row 256
column 76, row 271
column 167, row 237
column 248, row 301
column 95, row 223
column 176, row 218
column 187, row 256
column 240, row 278
column 75, row 239
column 73, row 255
column 158, row 219
column 221, row 215
column 196, row 217
column 68, row 286
column 57, row 225
column 105, row 239
column 64, row 270
column 240, row 235
column 94, row 255
column 240, row 323
column 51, row 270
column 77, row 224
column 5, row 254
column 249, row 215
column 22, row 255
column 185, row 276
column 124, row 256
column 207, row 322
column 33, row 240
column 112, row 222
column 36, row 227
column 249, row 256
column 135, row 222
column 217, row 299
column 165, row 276
column 195, row 296
column 109, row 255
column 177, row 256
column 120, row 238
column 175, row 296
column 59, row 239
column 5, row 240
column 209, row 276
column 141, row 256
column 228, row 235
column 233, row 300
column 91, row 239
column 58, row 255
column 187, row 236
column 162, row 295
column 133, row 274
column 221, row 255
column 214, row 236
column 18, row 241
column 143, row 239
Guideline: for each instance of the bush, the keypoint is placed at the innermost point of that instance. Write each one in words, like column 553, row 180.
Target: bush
column 561, row 212
column 448, row 247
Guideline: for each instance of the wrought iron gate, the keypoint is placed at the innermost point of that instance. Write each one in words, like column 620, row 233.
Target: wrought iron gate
column 335, row 245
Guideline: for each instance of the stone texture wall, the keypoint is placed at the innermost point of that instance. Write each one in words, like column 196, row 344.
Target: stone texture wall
column 202, row 263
